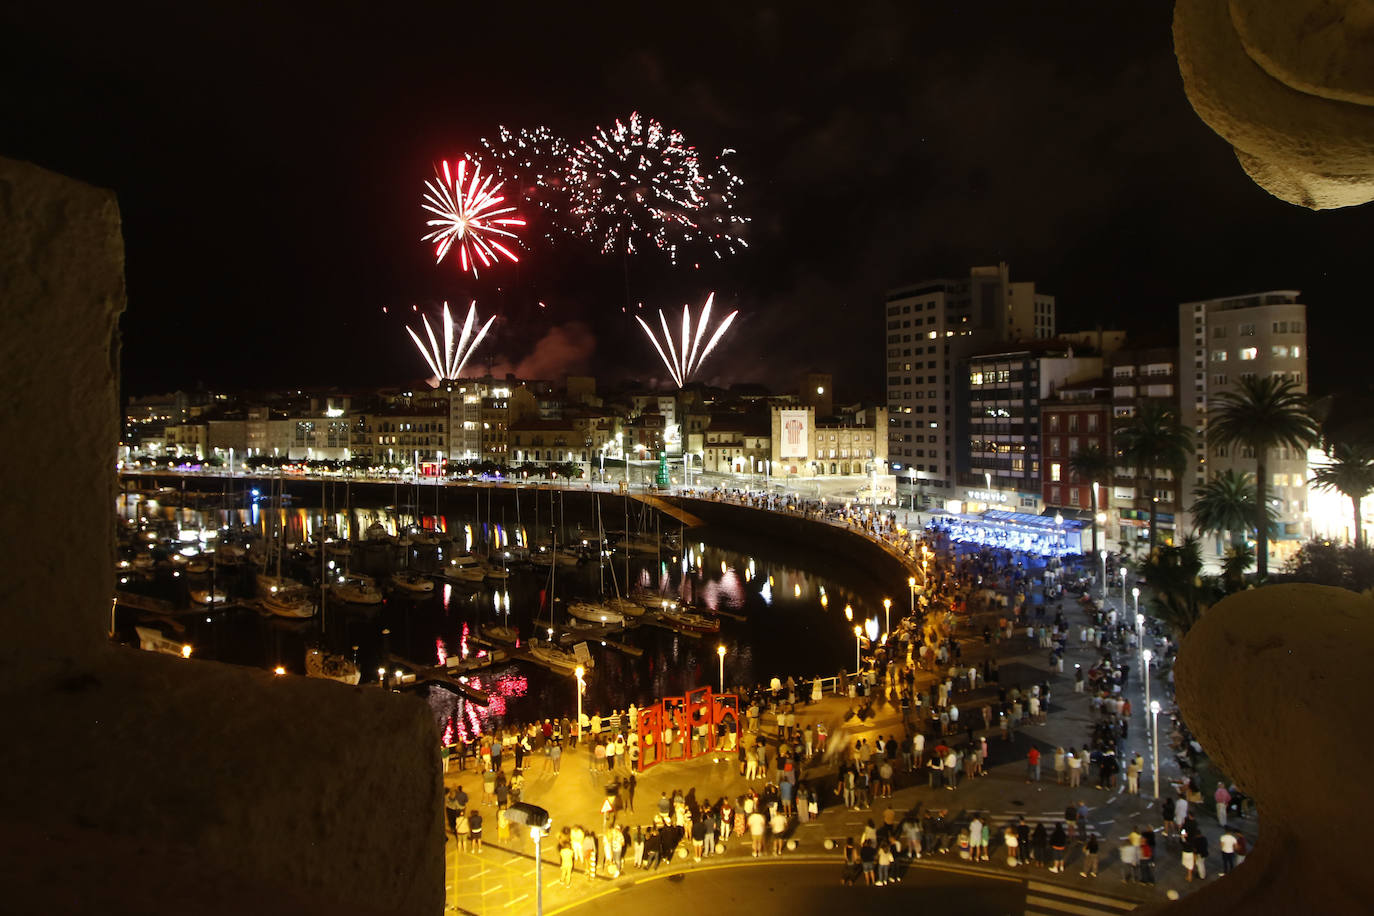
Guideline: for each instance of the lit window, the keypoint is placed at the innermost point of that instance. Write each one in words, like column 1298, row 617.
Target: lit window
column 1054, row 471
column 1218, row 356
column 1249, row 352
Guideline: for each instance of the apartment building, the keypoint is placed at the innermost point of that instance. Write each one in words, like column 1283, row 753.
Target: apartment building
column 1222, row 341
column 1144, row 375
column 1076, row 417
column 928, row 328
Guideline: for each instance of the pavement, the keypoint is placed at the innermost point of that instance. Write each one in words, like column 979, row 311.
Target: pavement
column 501, row 878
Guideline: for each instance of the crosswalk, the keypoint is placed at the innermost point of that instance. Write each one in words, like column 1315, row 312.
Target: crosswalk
column 1049, row 899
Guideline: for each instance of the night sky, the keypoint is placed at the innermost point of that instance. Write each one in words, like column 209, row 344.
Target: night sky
column 269, row 168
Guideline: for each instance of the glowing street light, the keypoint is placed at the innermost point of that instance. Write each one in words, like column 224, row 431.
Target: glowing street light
column 858, row 635
column 887, row 615
column 720, row 653
column 1154, row 739
column 849, row 612
column 1139, row 617
column 579, row 673
column 911, row 584
column 1102, row 554
column 1123, row 591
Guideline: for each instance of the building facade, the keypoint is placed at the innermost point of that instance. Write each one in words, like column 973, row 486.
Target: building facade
column 1222, row 341
column 1076, row 417
column 1140, row 376
column 928, row 329
column 998, row 401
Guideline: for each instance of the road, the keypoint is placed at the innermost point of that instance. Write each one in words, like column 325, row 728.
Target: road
column 806, row 885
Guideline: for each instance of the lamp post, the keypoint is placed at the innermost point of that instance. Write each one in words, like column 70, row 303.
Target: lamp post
column 579, row 674
column 1153, row 707
column 858, row 634
column 1154, row 729
column 887, row 615
column 1102, row 555
column 1123, row 591
column 911, row 584
column 720, row 653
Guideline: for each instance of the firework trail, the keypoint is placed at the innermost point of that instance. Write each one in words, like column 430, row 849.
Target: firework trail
column 684, row 362
column 448, row 362
column 641, row 185
column 469, row 214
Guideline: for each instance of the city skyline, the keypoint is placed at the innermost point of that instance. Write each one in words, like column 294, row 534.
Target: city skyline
column 269, row 174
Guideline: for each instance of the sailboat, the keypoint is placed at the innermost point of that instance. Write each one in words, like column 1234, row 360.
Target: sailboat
column 546, row 652
column 282, row 596
column 332, row 667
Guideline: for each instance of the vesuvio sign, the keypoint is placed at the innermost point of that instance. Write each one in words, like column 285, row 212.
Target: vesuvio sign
column 984, row 496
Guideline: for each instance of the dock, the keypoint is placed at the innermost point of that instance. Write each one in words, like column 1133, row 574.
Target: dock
column 448, row 676
column 687, row 519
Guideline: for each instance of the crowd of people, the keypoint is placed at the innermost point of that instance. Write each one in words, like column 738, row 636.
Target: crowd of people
column 954, row 705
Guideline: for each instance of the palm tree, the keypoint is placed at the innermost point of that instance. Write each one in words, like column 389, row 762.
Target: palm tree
column 1261, row 413
column 1093, row 465
column 1225, row 505
column 1179, row 593
column 1154, row 440
column 1350, row 470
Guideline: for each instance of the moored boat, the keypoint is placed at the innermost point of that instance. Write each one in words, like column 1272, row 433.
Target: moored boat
column 332, row 667
column 412, row 583
column 595, row 613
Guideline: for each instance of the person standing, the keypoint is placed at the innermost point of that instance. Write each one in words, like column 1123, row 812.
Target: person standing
column 779, row 828
column 475, row 830
column 1200, row 851
column 1090, row 852
column 565, row 862
column 1188, row 856
column 1033, row 764
column 758, row 825
column 1227, row 844
column 1223, row 800
column 1059, row 844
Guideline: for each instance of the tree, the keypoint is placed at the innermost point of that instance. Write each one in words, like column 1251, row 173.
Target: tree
column 1329, row 563
column 1262, row 413
column 1179, row 594
column 1154, row 440
column 1093, row 465
column 1239, row 558
column 1225, row 506
column 1349, row 470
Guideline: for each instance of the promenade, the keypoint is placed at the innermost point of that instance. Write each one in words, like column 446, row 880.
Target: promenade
column 500, row 879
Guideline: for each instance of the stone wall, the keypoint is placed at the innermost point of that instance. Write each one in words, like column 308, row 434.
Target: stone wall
column 136, row 783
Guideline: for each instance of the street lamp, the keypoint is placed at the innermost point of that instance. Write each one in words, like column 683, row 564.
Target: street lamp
column 720, row 653
column 887, row 615
column 1102, row 554
column 1154, row 728
column 849, row 613
column 539, row 822
column 858, row 634
column 911, row 584
column 1123, row 591
column 579, row 673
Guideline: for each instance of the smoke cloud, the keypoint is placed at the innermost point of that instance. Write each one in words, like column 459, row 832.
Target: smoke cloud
column 566, row 349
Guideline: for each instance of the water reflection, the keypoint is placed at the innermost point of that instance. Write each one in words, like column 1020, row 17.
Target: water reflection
column 788, row 622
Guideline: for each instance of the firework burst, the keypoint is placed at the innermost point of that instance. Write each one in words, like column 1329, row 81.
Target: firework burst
column 684, row 362
column 641, row 185
column 531, row 159
column 469, row 215
column 447, row 362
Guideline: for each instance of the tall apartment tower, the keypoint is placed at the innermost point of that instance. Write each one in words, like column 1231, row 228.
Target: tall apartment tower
column 1222, row 341
column 929, row 327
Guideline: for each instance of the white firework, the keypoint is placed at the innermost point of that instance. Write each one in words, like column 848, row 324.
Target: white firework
column 683, row 362
column 448, row 362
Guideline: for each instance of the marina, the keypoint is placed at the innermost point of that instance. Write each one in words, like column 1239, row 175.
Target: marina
column 512, row 637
